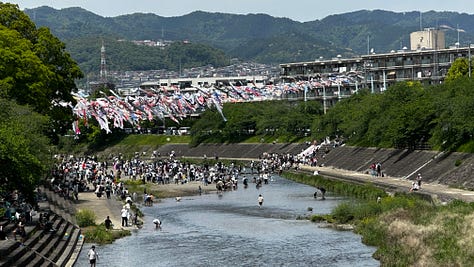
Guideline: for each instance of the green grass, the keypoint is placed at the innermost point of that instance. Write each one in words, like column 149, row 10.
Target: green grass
column 154, row 140
column 100, row 235
column 467, row 147
column 141, row 143
column 97, row 233
column 367, row 191
column 268, row 139
column 85, row 218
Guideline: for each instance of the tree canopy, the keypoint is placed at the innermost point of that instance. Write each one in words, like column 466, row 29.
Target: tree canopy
column 35, row 69
column 37, row 77
column 459, row 68
column 286, row 121
column 24, row 150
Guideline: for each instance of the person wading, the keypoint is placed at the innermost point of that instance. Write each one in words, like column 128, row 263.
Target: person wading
column 93, row 256
column 260, row 200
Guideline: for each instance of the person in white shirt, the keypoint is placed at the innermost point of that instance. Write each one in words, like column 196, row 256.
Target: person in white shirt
column 93, row 256
column 260, row 200
column 414, row 186
column 124, row 214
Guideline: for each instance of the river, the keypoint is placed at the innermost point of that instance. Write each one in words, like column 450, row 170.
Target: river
column 232, row 230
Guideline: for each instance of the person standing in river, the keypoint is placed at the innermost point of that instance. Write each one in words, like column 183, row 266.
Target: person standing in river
column 93, row 256
column 260, row 200
column 124, row 213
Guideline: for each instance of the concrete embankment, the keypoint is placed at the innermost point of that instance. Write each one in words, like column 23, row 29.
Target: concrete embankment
column 53, row 240
column 442, row 172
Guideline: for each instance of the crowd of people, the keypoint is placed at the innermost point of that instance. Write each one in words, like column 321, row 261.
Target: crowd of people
column 169, row 169
column 72, row 175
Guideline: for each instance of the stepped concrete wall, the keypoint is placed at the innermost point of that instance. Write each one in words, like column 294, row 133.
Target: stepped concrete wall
column 252, row 151
column 40, row 246
column 453, row 169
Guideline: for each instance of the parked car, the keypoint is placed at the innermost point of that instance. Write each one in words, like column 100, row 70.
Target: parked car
column 184, row 130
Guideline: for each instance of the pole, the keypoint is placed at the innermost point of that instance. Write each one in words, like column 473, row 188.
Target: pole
column 457, row 29
column 324, row 99
column 305, row 76
column 368, row 44
column 339, row 90
column 372, row 83
column 305, row 90
column 384, row 81
column 469, row 59
column 421, row 20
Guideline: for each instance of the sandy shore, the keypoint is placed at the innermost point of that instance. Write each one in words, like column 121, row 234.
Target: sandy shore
column 104, row 207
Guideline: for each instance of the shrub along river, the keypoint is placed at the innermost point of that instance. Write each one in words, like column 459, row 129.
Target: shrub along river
column 230, row 229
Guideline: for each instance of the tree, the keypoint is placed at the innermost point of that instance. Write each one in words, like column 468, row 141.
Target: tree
column 454, row 121
column 35, row 74
column 24, row 151
column 458, row 69
column 401, row 117
column 35, row 69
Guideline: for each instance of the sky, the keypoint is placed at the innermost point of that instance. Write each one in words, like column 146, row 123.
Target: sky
column 298, row 10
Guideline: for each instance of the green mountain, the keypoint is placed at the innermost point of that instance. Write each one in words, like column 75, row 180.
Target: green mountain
column 253, row 37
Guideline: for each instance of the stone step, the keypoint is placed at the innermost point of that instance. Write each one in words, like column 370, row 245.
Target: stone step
column 11, row 258
column 14, row 249
column 70, row 247
column 35, row 248
column 7, row 247
column 45, row 246
column 71, row 261
column 61, row 244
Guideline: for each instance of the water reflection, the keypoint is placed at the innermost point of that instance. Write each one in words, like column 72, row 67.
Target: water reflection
column 232, row 230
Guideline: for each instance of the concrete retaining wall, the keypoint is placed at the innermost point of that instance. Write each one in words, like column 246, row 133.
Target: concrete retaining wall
column 436, row 167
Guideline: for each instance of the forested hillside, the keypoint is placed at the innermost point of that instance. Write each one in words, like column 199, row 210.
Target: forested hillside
column 252, row 37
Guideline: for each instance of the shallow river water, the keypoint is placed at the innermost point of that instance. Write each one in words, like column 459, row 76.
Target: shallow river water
column 232, row 230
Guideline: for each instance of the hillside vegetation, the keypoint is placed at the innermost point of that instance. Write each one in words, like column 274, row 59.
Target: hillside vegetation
column 126, row 56
column 253, row 37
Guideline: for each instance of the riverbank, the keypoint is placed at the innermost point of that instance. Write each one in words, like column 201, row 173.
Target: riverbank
column 450, row 169
column 103, row 207
column 407, row 228
column 420, row 229
column 172, row 190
